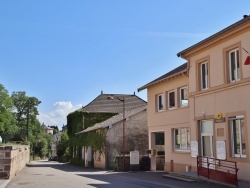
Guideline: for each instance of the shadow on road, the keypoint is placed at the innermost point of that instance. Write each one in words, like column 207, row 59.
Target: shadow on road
column 62, row 166
column 119, row 179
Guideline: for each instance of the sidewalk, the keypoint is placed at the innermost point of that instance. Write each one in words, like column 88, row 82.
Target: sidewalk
column 194, row 176
column 4, row 182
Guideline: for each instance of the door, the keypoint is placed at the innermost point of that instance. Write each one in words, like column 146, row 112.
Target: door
column 206, row 128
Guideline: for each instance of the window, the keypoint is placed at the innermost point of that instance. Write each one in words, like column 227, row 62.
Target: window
column 238, row 136
column 183, row 96
column 171, row 99
column 234, row 65
column 159, row 138
column 181, row 139
column 204, row 75
column 160, row 102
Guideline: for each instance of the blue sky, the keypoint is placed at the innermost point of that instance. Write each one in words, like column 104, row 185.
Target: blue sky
column 66, row 52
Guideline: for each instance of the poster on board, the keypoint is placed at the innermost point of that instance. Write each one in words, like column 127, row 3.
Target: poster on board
column 221, row 149
column 194, row 148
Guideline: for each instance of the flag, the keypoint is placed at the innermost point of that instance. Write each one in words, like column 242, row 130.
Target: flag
column 247, row 61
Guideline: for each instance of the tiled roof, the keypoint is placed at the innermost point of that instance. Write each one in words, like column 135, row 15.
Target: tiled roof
column 246, row 18
column 114, row 119
column 102, row 103
column 182, row 68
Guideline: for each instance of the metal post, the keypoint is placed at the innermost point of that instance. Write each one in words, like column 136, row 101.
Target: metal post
column 123, row 136
column 27, row 124
column 123, row 128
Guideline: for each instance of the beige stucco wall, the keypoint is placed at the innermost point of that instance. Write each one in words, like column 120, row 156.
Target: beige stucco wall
column 166, row 120
column 221, row 96
column 230, row 99
column 217, row 61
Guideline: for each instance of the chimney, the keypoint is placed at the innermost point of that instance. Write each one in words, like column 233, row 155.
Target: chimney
column 245, row 16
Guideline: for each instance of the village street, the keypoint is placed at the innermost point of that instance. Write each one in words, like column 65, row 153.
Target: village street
column 54, row 175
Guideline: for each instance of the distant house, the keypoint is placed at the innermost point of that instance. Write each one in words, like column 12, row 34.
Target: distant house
column 100, row 109
column 136, row 136
column 56, row 139
column 48, row 130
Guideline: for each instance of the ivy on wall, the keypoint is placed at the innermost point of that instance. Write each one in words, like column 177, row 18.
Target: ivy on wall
column 78, row 121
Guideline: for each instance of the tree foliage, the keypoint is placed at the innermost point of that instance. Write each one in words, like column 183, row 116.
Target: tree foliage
column 7, row 120
column 25, row 112
column 63, row 145
column 17, row 112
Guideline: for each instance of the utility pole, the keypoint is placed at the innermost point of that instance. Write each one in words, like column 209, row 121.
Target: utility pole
column 28, row 117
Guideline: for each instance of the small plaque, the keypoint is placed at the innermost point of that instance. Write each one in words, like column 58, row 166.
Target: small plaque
column 220, row 132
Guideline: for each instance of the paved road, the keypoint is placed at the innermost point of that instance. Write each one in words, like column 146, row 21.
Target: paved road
column 56, row 175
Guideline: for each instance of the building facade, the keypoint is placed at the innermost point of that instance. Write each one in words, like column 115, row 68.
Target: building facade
column 218, row 109
column 135, row 137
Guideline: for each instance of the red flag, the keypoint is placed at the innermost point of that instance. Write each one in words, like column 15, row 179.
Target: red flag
column 247, row 62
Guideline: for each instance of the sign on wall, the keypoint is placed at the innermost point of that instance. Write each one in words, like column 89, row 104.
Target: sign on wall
column 221, row 149
column 134, row 157
column 194, row 148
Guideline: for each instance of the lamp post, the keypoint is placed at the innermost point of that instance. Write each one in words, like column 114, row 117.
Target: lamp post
column 123, row 128
column 27, row 124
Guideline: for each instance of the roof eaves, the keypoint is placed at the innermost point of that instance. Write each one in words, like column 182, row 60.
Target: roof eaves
column 245, row 19
column 161, row 80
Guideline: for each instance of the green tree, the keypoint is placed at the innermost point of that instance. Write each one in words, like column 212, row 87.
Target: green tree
column 25, row 111
column 63, row 145
column 7, row 120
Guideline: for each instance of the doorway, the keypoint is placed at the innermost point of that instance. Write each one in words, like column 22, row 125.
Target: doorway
column 207, row 133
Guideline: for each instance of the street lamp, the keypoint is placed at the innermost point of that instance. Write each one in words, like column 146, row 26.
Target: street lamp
column 123, row 128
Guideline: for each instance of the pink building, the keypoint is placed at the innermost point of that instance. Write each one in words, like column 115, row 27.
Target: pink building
column 203, row 106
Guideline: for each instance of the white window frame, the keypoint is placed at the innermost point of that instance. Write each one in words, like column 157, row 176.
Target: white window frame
column 236, row 65
column 160, row 108
column 187, row 132
column 183, row 89
column 231, row 119
column 171, row 107
column 205, row 86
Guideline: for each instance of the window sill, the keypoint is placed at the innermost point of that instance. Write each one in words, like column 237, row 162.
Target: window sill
column 240, row 157
column 171, row 108
column 182, row 151
column 184, row 106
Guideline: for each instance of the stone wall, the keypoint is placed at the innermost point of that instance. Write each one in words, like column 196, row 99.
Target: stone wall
column 13, row 159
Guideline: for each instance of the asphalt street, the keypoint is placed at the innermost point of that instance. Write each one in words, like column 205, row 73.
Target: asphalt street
column 51, row 174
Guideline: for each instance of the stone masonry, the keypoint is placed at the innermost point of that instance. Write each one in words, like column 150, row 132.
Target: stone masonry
column 13, row 159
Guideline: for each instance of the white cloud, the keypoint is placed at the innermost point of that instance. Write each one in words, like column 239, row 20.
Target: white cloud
column 58, row 116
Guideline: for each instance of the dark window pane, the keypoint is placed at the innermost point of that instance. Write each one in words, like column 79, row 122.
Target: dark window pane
column 171, row 100
column 232, row 58
column 159, row 139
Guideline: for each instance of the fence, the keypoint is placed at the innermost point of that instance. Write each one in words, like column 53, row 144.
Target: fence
column 217, row 169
